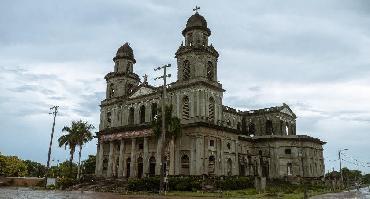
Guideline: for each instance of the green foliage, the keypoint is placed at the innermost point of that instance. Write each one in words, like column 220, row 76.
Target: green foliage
column 184, row 183
column 78, row 134
column 234, row 183
column 366, row 178
column 172, row 124
column 89, row 165
column 190, row 183
column 350, row 176
column 35, row 169
column 12, row 166
column 144, row 184
column 65, row 182
column 63, row 170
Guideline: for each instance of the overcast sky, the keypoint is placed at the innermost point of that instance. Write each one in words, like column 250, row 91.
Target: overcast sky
column 312, row 55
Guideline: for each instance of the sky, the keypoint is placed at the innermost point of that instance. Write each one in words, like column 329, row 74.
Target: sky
column 313, row 55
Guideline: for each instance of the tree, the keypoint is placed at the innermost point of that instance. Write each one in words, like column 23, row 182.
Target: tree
column 172, row 129
column 89, row 165
column 12, row 166
column 172, row 124
column 84, row 136
column 35, row 169
column 70, row 139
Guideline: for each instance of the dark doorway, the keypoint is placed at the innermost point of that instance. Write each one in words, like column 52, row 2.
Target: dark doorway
column 140, row 167
column 152, row 166
column 128, row 164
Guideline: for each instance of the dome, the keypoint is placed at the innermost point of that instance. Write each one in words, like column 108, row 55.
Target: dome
column 196, row 21
column 125, row 51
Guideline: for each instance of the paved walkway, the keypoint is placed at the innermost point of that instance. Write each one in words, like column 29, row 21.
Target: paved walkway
column 354, row 194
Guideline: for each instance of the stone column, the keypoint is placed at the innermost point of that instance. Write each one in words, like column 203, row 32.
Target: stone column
column 222, row 162
column 133, row 158
column 177, row 156
column 193, row 158
column 236, row 167
column 110, row 159
column 146, row 157
column 121, row 161
column 172, row 157
column 99, row 165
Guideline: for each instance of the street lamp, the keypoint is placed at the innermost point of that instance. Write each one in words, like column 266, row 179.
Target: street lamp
column 340, row 163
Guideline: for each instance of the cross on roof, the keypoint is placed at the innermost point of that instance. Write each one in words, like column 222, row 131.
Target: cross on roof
column 196, row 9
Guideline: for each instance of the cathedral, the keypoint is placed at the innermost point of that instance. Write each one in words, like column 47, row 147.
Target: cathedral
column 216, row 140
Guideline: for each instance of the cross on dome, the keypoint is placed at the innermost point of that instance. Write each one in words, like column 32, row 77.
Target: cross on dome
column 196, row 9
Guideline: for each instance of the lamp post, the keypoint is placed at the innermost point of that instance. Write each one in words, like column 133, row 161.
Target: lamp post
column 340, row 163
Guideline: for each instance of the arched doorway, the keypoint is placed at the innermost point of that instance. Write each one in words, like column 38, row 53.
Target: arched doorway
column 128, row 164
column 152, row 166
column 229, row 167
column 140, row 167
column 211, row 165
column 185, row 165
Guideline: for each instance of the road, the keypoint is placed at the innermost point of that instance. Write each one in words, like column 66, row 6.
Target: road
column 354, row 194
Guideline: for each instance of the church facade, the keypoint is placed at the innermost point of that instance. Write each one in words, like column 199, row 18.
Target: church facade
column 216, row 140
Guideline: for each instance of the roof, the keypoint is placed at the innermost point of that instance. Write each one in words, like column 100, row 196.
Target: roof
column 125, row 51
column 196, row 21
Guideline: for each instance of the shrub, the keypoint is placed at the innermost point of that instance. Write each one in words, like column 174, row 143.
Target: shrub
column 144, row 184
column 234, row 183
column 65, row 182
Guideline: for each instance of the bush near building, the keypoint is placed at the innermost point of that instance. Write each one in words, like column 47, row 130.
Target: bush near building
column 191, row 183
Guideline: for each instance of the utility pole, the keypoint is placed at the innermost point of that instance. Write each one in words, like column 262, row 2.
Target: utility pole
column 340, row 163
column 54, row 113
column 163, row 109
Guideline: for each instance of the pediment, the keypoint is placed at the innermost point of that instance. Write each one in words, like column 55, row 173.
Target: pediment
column 142, row 91
column 287, row 111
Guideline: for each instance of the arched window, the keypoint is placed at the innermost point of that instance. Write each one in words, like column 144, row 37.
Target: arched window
column 211, row 109
column 185, row 165
column 111, row 90
column 287, row 128
column 131, row 117
column 269, row 127
column 190, row 39
column 129, row 88
column 109, row 118
column 211, row 165
column 186, row 70
column 210, row 71
column 154, row 110
column 289, row 169
column 185, row 108
column 142, row 114
column 252, row 129
column 238, row 126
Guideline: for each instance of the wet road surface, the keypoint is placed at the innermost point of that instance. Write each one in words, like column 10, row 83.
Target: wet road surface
column 28, row 193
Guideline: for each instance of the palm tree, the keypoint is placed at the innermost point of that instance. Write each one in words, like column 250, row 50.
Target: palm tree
column 78, row 134
column 172, row 124
column 70, row 140
column 84, row 136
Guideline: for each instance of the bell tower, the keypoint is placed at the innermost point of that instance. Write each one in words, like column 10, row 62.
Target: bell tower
column 122, row 80
column 196, row 59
